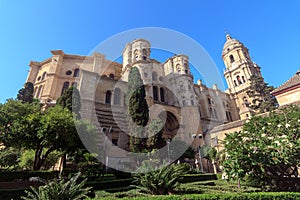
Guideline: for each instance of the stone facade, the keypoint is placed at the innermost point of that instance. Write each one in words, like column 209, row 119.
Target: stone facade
column 188, row 109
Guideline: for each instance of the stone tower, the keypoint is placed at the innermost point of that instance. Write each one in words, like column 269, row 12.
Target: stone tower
column 239, row 69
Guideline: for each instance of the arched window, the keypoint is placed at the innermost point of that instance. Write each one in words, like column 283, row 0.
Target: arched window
column 154, row 76
column 76, row 73
column 155, row 93
column 117, row 96
column 65, row 86
column 108, row 97
column 162, row 94
column 238, row 78
column 111, row 76
column 246, row 101
column 243, row 78
column 235, row 83
column 178, row 67
column 231, row 58
column 44, row 75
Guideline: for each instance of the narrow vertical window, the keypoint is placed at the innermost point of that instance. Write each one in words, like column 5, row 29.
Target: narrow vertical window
column 243, row 78
column 108, row 97
column 65, row 86
column 117, row 96
column 162, row 94
column 231, row 58
column 44, row 75
column 155, row 93
column 76, row 73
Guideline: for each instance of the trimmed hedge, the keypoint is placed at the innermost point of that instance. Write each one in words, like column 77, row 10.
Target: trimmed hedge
column 189, row 178
column 12, row 194
column 234, row 196
column 25, row 175
column 108, row 184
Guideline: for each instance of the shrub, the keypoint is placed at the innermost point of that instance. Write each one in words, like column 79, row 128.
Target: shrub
column 162, row 180
column 59, row 190
column 6, row 176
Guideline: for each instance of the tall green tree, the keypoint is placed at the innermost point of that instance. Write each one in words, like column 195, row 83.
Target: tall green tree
column 137, row 105
column 267, row 150
column 138, row 111
column 25, row 94
column 70, row 99
column 263, row 100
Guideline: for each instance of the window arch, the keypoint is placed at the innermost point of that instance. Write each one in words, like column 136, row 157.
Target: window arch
column 65, row 86
column 154, row 76
column 108, row 97
column 44, row 75
column 243, row 78
column 162, row 94
column 155, row 93
column 76, row 73
column 231, row 58
column 117, row 96
column 235, row 83
column 238, row 78
column 111, row 76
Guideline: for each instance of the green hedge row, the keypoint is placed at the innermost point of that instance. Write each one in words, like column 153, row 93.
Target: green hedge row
column 25, row 175
column 234, row 196
column 12, row 194
column 108, row 184
column 189, row 178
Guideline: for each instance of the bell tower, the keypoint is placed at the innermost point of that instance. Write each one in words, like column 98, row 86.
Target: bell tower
column 239, row 69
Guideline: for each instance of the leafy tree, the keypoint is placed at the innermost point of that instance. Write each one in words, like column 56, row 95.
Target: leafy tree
column 263, row 100
column 71, row 100
column 26, row 93
column 26, row 126
column 9, row 158
column 60, row 190
column 267, row 150
column 160, row 181
column 138, row 111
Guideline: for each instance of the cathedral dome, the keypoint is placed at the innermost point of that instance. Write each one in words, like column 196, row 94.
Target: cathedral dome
column 230, row 44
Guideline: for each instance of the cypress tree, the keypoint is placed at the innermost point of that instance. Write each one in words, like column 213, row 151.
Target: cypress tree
column 71, row 100
column 25, row 94
column 138, row 111
column 263, row 100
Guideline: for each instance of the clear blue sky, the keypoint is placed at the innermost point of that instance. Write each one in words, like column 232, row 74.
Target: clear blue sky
column 30, row 29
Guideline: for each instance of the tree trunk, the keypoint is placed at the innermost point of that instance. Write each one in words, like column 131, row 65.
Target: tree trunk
column 37, row 158
column 239, row 183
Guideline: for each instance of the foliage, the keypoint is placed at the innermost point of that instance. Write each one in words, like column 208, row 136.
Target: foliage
column 59, row 190
column 138, row 111
column 137, row 104
column 267, row 149
column 160, row 181
column 26, row 160
column 43, row 131
column 9, row 157
column 8, row 176
column 263, row 100
column 156, row 141
column 70, row 99
column 25, row 94
column 176, row 147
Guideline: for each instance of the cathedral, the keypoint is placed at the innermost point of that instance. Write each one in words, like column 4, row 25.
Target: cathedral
column 188, row 108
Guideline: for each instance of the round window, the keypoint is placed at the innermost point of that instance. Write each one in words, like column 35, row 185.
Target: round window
column 161, row 79
column 68, row 73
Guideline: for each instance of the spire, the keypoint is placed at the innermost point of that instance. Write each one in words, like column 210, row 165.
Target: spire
column 228, row 37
